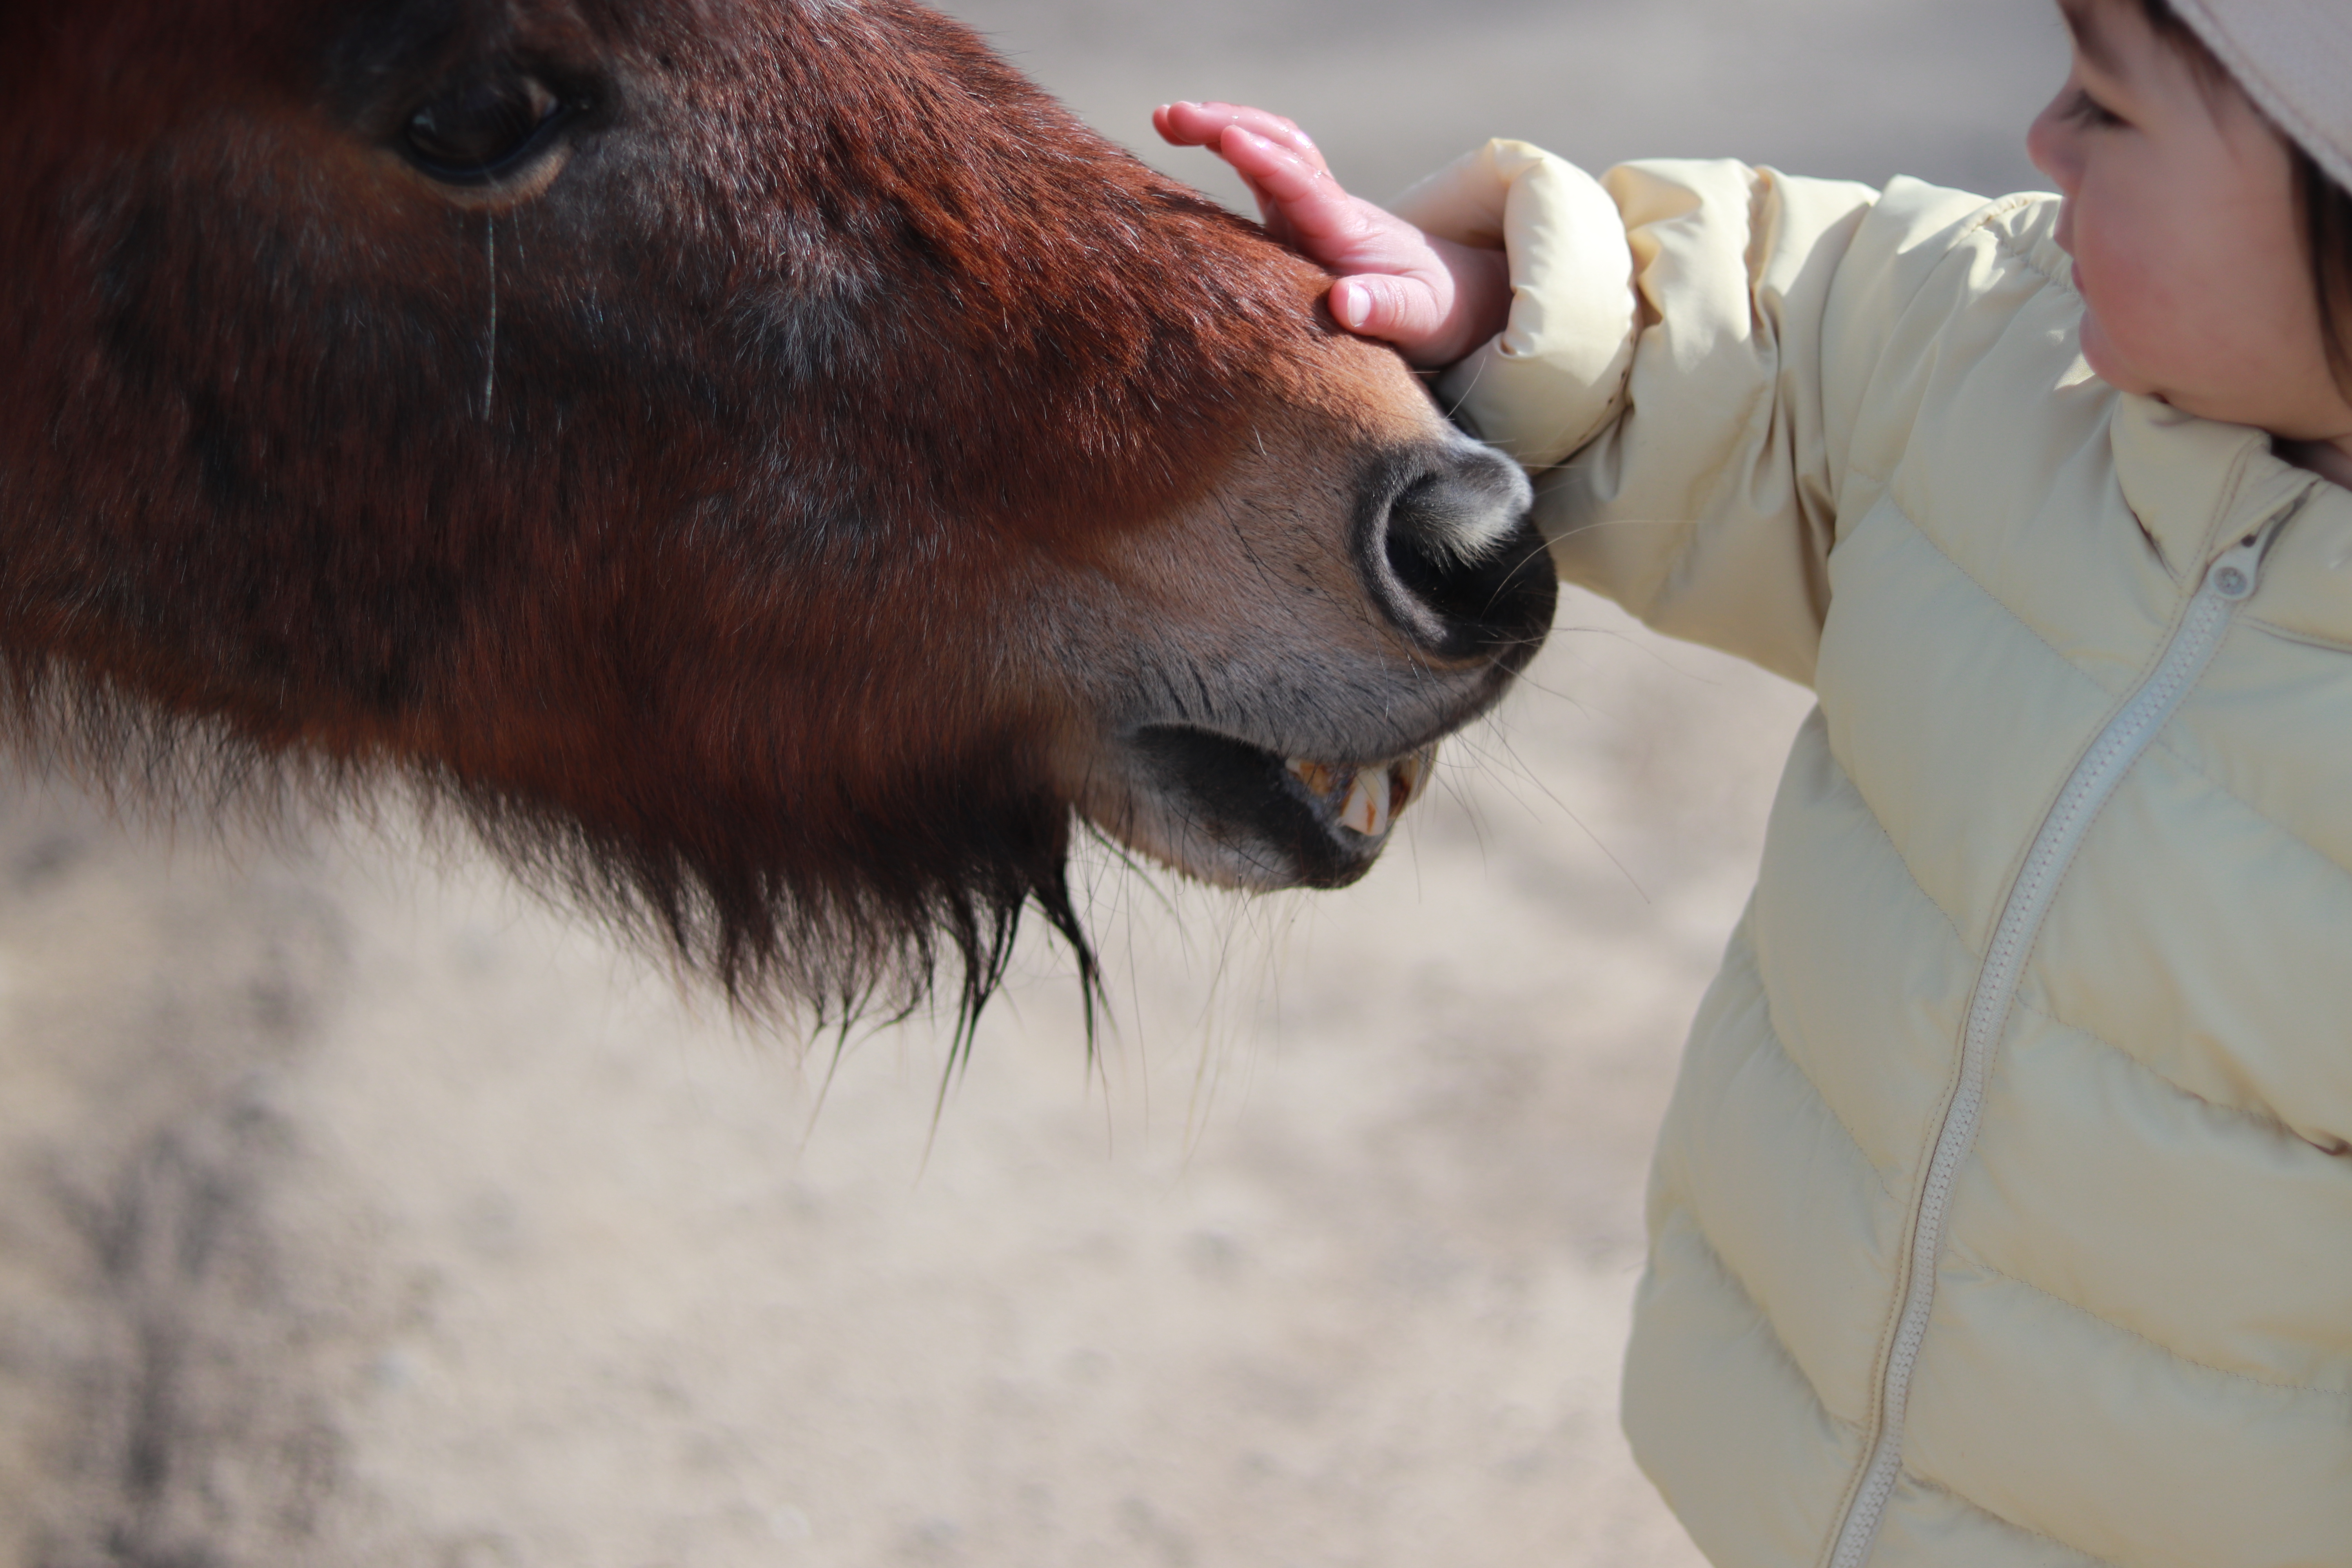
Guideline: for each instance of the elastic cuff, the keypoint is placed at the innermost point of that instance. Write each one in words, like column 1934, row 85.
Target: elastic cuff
column 1555, row 376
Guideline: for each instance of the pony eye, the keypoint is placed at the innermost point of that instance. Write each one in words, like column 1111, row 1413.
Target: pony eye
column 477, row 133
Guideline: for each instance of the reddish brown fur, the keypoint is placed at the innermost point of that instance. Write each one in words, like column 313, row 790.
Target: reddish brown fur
column 749, row 519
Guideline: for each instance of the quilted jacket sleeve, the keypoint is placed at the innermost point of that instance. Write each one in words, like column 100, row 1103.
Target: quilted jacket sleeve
column 1689, row 348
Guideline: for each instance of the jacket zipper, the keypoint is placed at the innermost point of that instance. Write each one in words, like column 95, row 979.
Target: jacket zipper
column 2229, row 582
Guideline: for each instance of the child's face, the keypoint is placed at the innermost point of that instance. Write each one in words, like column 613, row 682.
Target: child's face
column 2182, row 218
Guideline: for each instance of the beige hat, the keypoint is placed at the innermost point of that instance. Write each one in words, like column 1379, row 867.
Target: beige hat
column 2294, row 58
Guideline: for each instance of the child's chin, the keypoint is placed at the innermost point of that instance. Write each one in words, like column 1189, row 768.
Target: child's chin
column 2100, row 355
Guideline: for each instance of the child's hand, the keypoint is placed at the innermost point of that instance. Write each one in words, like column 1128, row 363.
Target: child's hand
column 1434, row 299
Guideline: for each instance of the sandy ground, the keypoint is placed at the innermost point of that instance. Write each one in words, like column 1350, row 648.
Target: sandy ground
column 358, row 1212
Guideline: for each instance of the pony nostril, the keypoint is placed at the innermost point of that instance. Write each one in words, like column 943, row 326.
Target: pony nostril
column 1465, row 571
column 1436, row 558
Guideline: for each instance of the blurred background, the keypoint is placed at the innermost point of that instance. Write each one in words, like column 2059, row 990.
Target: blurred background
column 357, row 1212
column 1857, row 88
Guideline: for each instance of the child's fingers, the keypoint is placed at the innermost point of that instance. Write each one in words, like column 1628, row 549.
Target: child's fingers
column 1202, row 124
column 1312, row 204
column 1301, row 204
column 1393, row 285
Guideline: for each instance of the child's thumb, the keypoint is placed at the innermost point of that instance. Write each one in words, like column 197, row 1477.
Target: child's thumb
column 1401, row 311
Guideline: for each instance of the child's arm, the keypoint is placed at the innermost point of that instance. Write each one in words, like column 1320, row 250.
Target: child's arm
column 1433, row 298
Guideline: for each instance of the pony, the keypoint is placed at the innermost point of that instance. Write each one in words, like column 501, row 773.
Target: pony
column 761, row 464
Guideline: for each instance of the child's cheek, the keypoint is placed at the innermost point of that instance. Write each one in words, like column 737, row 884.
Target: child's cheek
column 2099, row 352
column 2113, row 280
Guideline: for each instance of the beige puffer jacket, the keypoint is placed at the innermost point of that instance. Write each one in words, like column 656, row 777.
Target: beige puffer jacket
column 2003, row 1215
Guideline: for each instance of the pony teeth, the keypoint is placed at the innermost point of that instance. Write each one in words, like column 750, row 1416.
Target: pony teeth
column 1405, row 775
column 1366, row 808
column 1368, row 798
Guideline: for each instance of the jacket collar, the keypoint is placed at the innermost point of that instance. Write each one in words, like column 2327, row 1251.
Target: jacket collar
column 2199, row 487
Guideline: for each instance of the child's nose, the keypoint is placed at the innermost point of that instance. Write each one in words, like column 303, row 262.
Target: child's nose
column 2049, row 144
